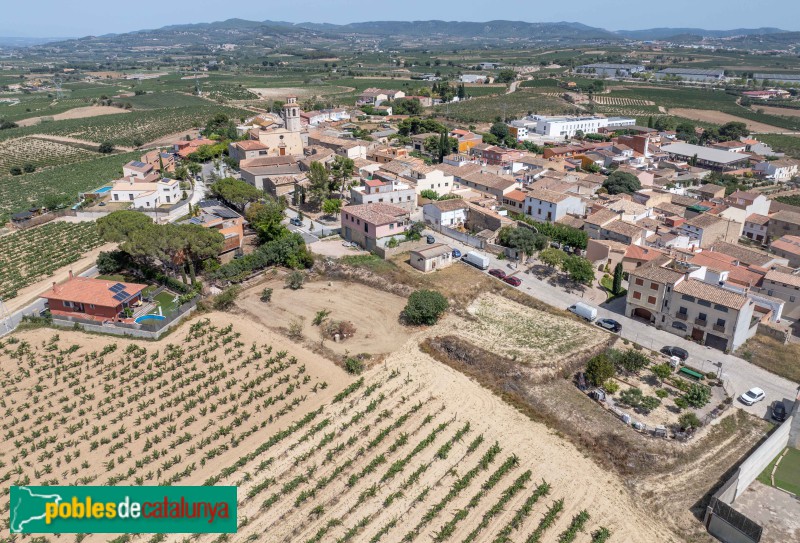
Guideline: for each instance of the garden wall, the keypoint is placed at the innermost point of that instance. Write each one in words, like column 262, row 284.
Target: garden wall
column 463, row 237
column 404, row 247
column 44, row 218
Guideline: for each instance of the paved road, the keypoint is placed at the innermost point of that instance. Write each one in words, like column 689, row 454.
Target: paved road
column 304, row 230
column 740, row 374
column 9, row 325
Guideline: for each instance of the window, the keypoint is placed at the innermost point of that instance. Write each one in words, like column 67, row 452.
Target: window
column 721, row 308
column 704, row 303
column 651, row 299
column 130, row 196
column 702, row 317
column 682, row 310
column 653, row 286
column 687, row 298
column 366, row 227
column 168, row 199
column 637, row 295
column 91, row 306
column 769, row 293
column 639, row 282
column 116, row 197
column 721, row 322
column 791, row 298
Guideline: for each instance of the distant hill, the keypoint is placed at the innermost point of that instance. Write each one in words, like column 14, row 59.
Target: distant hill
column 667, row 33
column 11, row 41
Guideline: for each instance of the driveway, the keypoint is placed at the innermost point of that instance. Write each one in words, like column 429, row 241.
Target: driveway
column 739, row 374
column 304, row 230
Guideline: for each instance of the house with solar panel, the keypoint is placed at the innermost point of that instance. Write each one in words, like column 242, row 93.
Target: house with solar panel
column 143, row 187
column 93, row 299
column 213, row 214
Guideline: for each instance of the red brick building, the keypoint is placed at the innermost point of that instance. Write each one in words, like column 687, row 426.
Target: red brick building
column 93, row 299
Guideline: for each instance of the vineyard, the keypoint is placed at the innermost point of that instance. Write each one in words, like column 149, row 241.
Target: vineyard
column 407, row 452
column 39, row 153
column 516, row 105
column 615, row 101
column 31, row 255
column 60, row 183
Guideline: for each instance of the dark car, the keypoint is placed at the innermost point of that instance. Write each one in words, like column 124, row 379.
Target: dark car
column 779, row 411
column 430, row 239
column 610, row 324
column 296, row 221
column 500, row 274
column 675, row 351
column 513, row 281
column 456, row 253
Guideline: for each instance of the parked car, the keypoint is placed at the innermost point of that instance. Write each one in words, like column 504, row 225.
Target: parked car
column 754, row 395
column 675, row 351
column 584, row 311
column 456, row 253
column 610, row 324
column 779, row 411
column 430, row 239
column 500, row 274
column 513, row 281
column 296, row 221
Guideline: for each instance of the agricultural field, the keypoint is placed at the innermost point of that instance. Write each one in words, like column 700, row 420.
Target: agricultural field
column 782, row 143
column 39, row 153
column 59, row 184
column 409, row 451
column 518, row 104
column 30, row 255
column 616, row 101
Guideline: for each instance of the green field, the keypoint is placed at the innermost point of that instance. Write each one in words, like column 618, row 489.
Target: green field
column 61, row 182
column 39, row 153
column 787, row 476
column 515, row 105
column 782, row 143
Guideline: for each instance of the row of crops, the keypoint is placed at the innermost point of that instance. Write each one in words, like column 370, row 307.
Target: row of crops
column 39, row 153
column 31, row 255
column 59, row 184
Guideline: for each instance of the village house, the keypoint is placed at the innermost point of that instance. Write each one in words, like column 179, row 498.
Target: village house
column 624, row 232
column 755, row 227
column 388, row 189
column 781, row 170
column 637, row 256
column 783, row 223
column 160, row 161
column 372, row 225
column 418, row 141
column 450, row 213
column 488, row 183
column 376, row 97
column 185, row 148
column 275, row 175
column 605, row 253
column 146, row 194
column 595, row 221
column 246, row 149
column 431, row 178
column 431, row 258
column 709, row 191
column 706, row 229
column 787, row 247
column 466, row 139
column 549, row 206
column 785, row 287
column 92, row 299
column 216, row 216
column 514, row 201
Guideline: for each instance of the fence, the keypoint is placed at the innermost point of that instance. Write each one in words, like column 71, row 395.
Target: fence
column 43, row 218
column 152, row 330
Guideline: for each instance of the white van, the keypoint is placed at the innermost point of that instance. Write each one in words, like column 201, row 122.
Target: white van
column 476, row 259
column 584, row 311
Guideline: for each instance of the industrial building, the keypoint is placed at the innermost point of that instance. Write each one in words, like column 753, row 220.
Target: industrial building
column 707, row 157
column 692, row 74
column 610, row 70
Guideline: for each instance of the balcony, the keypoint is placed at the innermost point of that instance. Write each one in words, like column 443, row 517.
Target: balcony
column 682, row 316
column 700, row 322
column 719, row 328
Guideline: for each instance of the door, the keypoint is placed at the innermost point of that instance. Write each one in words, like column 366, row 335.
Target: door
column 697, row 334
column 717, row 342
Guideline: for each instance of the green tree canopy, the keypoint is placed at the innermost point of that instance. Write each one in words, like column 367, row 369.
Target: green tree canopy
column 407, row 106
column 424, row 307
column 506, row 76
column 500, row 131
column 332, row 206
column 320, row 184
column 621, row 182
column 220, row 126
column 265, row 218
column 579, row 269
column 120, row 225
column 599, row 369
column 552, row 257
column 733, row 131
column 417, row 125
column 235, row 192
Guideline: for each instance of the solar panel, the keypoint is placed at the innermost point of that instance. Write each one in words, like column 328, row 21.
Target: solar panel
column 116, row 288
column 138, row 164
column 120, row 296
column 225, row 213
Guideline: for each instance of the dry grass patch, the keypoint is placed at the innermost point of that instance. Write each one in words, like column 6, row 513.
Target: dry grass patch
column 773, row 356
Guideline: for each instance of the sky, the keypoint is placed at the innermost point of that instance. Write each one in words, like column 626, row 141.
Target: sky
column 48, row 18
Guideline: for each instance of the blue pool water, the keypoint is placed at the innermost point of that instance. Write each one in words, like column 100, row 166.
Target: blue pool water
column 144, row 319
column 103, row 190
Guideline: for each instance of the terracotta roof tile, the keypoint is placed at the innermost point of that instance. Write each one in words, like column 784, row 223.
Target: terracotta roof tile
column 711, row 293
column 86, row 290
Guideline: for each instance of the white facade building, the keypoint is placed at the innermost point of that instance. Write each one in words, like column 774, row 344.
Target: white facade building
column 446, row 212
column 550, row 206
column 567, row 127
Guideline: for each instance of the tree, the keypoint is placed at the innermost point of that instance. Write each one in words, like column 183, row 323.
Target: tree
column 733, row 130
column 524, row 240
column 506, row 76
column 631, row 361
column 235, row 192
column 106, row 148
column 407, row 106
column 698, row 395
column 227, row 298
column 621, row 183
column 28, row 168
column 265, row 218
column 500, row 131
column 662, row 371
column 417, row 125
column 295, row 279
column 15, row 170
column 578, row 268
column 599, row 369
column 220, row 126
column 332, row 206
column 119, row 226
column 650, row 122
column 688, row 421
column 424, row 307
column 199, row 244
column 616, row 285
column 649, row 403
column 319, row 189
column 342, row 171
column 552, row 257
column 109, row 262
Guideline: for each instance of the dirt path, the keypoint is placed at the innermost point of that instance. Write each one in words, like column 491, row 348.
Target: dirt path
column 75, row 113
column 513, row 87
column 779, row 111
column 29, row 294
column 66, row 139
column 718, row 117
column 169, row 139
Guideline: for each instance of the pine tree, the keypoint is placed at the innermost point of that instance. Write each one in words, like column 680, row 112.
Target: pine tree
column 650, row 122
column 616, row 286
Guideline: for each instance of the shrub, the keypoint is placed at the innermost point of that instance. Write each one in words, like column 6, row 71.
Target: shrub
column 225, row 299
column 662, row 393
column 611, row 386
column 106, row 148
column 649, row 403
column 353, row 365
column 599, row 369
column 320, row 317
column 266, row 295
column 295, row 279
column 630, row 361
column 631, row 397
column 662, row 371
column 392, row 243
column 16, row 170
column 296, row 329
column 681, row 403
column 424, row 307
column 689, row 420
column 344, row 329
column 698, row 395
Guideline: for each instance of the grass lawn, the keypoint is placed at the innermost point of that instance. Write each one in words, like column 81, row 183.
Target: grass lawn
column 773, row 356
column 165, row 300
column 787, row 476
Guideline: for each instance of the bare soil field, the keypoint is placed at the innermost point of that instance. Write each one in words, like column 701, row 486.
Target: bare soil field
column 718, row 117
column 375, row 314
column 780, row 111
column 280, row 93
column 76, row 113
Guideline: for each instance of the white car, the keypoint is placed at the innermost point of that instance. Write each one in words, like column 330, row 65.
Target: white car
column 752, row 396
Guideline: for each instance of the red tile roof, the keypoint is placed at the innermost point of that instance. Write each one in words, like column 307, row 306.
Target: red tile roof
column 86, row 290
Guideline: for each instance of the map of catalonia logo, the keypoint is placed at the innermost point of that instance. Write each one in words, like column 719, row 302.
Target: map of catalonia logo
column 122, row 509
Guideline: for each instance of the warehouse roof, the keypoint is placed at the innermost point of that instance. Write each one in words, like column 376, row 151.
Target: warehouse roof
column 706, row 154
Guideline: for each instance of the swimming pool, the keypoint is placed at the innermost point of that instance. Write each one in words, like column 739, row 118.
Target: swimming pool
column 145, row 319
column 103, row 190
